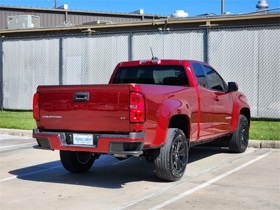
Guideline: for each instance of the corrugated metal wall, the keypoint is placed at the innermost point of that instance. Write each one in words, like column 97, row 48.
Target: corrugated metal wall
column 26, row 64
column 169, row 44
column 91, row 60
column 53, row 18
column 251, row 56
column 248, row 55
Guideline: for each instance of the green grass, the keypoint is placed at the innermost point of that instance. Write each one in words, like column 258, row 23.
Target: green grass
column 260, row 129
column 17, row 120
column 265, row 130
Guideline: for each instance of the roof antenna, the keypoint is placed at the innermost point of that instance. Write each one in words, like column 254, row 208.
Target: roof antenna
column 153, row 58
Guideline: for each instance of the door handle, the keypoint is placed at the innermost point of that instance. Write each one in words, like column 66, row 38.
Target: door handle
column 216, row 98
column 81, row 96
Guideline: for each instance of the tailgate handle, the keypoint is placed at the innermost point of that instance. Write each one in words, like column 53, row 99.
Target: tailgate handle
column 81, row 96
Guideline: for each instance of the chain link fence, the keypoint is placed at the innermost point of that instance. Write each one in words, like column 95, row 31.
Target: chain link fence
column 251, row 57
column 27, row 63
column 169, row 44
column 247, row 55
column 91, row 60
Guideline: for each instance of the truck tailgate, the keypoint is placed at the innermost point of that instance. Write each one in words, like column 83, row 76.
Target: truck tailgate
column 94, row 108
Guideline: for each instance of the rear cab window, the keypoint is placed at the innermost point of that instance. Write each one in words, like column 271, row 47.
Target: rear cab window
column 152, row 74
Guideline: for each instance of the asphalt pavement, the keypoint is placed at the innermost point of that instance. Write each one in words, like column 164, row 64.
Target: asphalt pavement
column 215, row 179
column 252, row 143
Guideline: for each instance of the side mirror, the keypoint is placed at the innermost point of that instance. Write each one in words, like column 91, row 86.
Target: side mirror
column 232, row 86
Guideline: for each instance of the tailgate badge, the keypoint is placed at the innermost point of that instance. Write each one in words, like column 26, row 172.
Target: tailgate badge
column 51, row 116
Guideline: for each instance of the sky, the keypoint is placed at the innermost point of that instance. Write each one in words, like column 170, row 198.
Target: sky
column 160, row 7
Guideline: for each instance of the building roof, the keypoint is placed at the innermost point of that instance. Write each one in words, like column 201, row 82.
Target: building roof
column 149, row 22
column 58, row 17
column 2, row 7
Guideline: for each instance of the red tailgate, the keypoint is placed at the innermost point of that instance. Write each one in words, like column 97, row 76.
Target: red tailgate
column 94, row 108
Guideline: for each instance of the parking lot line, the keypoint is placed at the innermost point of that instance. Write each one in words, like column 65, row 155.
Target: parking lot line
column 16, row 145
column 205, row 184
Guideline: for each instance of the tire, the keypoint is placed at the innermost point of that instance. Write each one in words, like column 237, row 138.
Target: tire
column 171, row 160
column 239, row 139
column 76, row 162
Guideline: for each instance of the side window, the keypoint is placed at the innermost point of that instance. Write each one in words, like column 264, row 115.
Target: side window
column 200, row 75
column 215, row 81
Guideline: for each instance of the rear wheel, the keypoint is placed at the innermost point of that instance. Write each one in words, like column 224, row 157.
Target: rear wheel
column 240, row 138
column 76, row 162
column 172, row 158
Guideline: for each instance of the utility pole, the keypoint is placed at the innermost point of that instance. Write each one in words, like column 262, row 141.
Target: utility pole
column 222, row 7
column 55, row 4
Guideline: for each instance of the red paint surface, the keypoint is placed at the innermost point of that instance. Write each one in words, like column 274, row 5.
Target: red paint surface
column 209, row 114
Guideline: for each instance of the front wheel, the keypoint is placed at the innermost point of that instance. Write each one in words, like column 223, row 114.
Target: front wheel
column 240, row 138
column 76, row 162
column 172, row 159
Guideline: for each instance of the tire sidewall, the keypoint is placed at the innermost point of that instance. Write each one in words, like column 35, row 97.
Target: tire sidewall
column 243, row 133
column 178, row 136
column 240, row 138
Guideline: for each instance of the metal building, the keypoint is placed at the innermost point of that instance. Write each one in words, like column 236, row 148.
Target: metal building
column 91, row 22
column 64, row 17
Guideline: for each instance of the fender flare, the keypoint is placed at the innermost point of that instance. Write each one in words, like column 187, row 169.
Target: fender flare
column 168, row 109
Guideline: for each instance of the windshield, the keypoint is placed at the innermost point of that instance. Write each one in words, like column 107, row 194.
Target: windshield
column 159, row 75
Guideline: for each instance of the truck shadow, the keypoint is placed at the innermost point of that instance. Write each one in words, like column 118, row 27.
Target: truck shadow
column 106, row 172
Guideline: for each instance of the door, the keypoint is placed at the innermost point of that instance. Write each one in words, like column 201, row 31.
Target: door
column 222, row 102
column 205, row 117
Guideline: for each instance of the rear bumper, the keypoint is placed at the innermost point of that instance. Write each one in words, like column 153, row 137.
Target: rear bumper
column 124, row 144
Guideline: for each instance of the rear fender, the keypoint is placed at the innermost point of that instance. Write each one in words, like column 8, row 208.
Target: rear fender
column 169, row 108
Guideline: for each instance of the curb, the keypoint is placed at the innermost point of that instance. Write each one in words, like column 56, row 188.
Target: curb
column 252, row 143
column 264, row 144
column 14, row 132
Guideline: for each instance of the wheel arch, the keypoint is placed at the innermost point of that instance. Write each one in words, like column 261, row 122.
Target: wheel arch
column 246, row 112
column 236, row 113
column 181, row 122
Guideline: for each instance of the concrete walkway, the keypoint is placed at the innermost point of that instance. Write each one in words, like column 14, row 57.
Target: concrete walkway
column 252, row 143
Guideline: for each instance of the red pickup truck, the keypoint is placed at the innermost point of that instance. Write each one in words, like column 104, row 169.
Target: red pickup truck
column 153, row 108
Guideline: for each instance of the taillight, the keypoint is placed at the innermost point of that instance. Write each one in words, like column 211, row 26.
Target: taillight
column 36, row 114
column 137, row 107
